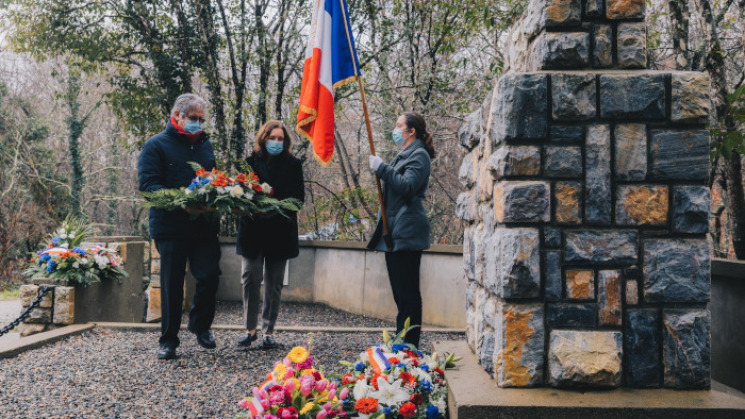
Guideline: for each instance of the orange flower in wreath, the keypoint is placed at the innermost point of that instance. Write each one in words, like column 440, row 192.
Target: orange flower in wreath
column 366, row 406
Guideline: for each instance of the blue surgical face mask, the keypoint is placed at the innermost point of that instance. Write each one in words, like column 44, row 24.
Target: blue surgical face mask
column 274, row 148
column 398, row 137
column 192, row 127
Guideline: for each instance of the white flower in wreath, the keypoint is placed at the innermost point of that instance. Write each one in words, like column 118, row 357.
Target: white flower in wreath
column 266, row 188
column 361, row 390
column 390, row 394
column 63, row 236
column 76, row 265
column 101, row 261
column 84, row 261
column 188, row 191
column 236, row 191
column 221, row 190
column 202, row 191
column 248, row 195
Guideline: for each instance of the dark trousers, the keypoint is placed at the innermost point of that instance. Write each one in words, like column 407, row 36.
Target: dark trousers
column 203, row 257
column 403, row 272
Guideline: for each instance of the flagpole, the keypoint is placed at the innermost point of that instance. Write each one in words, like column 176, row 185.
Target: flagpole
column 384, row 218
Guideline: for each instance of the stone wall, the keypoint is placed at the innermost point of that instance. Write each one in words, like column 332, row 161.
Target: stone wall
column 586, row 258
column 57, row 308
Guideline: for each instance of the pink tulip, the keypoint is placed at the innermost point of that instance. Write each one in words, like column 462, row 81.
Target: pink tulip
column 290, row 373
column 289, row 386
column 305, row 389
column 321, row 415
column 344, row 393
column 265, row 404
column 332, row 394
column 264, row 394
column 243, row 403
column 332, row 386
column 287, row 362
column 327, row 407
column 321, row 385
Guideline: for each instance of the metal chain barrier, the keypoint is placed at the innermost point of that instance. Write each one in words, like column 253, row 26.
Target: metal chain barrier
column 43, row 290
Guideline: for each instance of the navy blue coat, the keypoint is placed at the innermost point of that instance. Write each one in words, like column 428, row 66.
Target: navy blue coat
column 163, row 163
column 274, row 236
column 405, row 181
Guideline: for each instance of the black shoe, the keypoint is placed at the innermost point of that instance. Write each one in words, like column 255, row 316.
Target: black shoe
column 205, row 340
column 268, row 343
column 247, row 340
column 167, row 351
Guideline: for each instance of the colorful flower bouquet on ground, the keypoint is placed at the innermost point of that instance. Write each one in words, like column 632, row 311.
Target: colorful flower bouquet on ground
column 395, row 380
column 65, row 262
column 216, row 190
column 390, row 380
column 295, row 390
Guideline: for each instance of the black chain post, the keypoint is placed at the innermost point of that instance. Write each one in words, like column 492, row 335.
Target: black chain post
column 43, row 290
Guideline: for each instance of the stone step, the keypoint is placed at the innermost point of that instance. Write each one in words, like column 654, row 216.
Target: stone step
column 473, row 394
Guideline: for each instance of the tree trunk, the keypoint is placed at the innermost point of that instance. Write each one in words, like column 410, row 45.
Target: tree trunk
column 680, row 17
column 75, row 125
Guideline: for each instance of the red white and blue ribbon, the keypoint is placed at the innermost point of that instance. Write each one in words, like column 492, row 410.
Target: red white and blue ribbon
column 378, row 360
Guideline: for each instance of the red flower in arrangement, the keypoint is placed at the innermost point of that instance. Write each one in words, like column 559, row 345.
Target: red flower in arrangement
column 201, row 172
column 407, row 377
column 417, row 399
column 317, row 376
column 287, row 413
column 439, row 371
column 254, row 177
column 241, row 178
column 256, row 187
column 366, row 406
column 408, row 409
column 394, row 360
column 412, row 354
column 347, row 379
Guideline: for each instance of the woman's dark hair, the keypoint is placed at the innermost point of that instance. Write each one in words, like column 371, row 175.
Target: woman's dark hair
column 416, row 121
column 263, row 134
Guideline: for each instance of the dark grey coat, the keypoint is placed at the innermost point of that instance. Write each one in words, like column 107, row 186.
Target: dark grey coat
column 405, row 181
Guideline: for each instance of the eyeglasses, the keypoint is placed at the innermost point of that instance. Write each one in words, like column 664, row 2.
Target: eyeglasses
column 195, row 118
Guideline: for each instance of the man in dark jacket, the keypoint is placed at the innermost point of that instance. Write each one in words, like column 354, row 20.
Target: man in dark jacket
column 182, row 236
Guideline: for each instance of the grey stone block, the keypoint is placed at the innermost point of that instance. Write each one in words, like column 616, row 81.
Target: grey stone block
column 552, row 237
column 676, row 270
column 518, row 264
column 515, row 161
column 571, row 315
column 691, row 206
column 585, row 359
column 602, row 52
column 571, row 134
column 563, row 161
column 594, row 8
column 466, row 206
column 553, row 276
column 680, row 154
column 687, row 349
column 469, row 133
column 691, row 102
column 592, row 246
column 561, row 51
column 486, row 352
column 632, row 45
column 637, row 96
column 520, row 345
column 597, row 175
column 641, row 343
column 631, row 151
column 522, row 201
column 468, row 173
column 573, row 97
column 522, row 107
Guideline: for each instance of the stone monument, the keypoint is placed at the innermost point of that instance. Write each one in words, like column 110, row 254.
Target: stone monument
column 587, row 205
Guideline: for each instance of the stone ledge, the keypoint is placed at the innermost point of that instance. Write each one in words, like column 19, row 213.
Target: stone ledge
column 473, row 394
column 17, row 346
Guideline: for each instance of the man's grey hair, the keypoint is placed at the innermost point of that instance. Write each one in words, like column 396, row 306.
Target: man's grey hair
column 188, row 102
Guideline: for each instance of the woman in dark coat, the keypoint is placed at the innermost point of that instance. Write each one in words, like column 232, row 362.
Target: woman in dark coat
column 405, row 181
column 267, row 242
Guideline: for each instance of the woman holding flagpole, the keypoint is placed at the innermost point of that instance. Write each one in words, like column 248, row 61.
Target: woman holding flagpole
column 405, row 181
column 266, row 242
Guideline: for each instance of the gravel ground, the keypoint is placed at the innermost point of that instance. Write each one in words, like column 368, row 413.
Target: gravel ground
column 9, row 311
column 113, row 374
column 299, row 314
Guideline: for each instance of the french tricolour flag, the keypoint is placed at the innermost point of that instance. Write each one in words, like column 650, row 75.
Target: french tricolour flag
column 330, row 62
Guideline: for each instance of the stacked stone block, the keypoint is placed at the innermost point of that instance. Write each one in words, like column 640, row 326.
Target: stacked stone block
column 57, row 308
column 587, row 208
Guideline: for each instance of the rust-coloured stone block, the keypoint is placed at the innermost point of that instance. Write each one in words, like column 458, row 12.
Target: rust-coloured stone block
column 625, row 9
column 567, row 196
column 520, row 345
column 642, row 205
column 609, row 298
column 580, row 284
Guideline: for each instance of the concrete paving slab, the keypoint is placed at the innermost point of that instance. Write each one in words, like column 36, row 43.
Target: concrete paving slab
column 14, row 347
column 473, row 394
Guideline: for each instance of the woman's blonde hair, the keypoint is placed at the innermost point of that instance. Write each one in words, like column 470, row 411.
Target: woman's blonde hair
column 263, row 134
